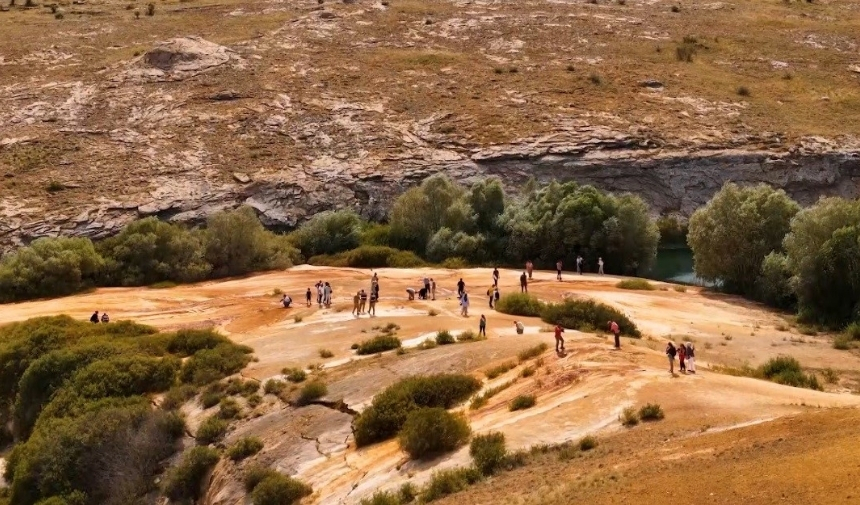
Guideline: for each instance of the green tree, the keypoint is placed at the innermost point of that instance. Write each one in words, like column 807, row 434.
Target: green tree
column 150, row 251
column 49, row 267
column 328, row 233
column 237, row 243
column 420, row 212
column 732, row 234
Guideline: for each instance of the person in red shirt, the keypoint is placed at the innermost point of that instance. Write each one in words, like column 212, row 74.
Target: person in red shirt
column 559, row 341
column 682, row 355
column 613, row 327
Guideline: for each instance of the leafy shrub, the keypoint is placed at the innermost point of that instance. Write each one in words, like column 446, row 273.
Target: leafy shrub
column 587, row 443
column 389, row 409
column 586, row 315
column 407, row 493
column 852, row 331
column 842, row 342
column 428, row 343
column 444, row 337
column 325, row 353
column 519, row 304
column 382, row 498
column 787, row 370
column 295, row 375
column 375, row 234
column 254, row 400
column 370, row 257
column 211, row 430
column 185, row 481
column 245, row 448
column 328, row 233
column 470, row 336
column 254, row 475
column 532, row 352
column 651, row 412
column 428, row 432
column 629, row 417
column 446, row 482
column 523, row 402
column 277, row 489
column 213, row 364
column 377, row 344
column 527, row 372
column 498, row 370
column 274, row 387
column 210, row 398
column 228, row 409
column 488, row 452
column 177, row 396
column 310, row 392
column 635, row 284
column 454, row 263
column 188, row 342
column 482, row 399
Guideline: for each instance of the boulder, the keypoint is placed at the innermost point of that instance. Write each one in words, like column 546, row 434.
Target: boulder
column 186, row 56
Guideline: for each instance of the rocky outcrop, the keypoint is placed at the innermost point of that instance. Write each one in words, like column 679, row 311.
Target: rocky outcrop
column 670, row 181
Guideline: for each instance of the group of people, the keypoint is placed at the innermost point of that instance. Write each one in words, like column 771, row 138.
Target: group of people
column 580, row 266
column 362, row 298
column 686, row 353
column 95, row 317
column 428, row 292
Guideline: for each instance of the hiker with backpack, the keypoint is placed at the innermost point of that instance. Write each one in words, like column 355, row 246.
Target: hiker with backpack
column 670, row 353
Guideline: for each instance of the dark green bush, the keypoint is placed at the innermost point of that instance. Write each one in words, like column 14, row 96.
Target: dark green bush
column 274, row 387
column 210, row 365
column 185, row 481
column 587, row 443
column 245, row 448
column 377, row 344
column 188, row 342
column 389, row 409
column 523, row 402
column 310, row 392
column 237, row 243
column 211, row 430
column 488, row 452
column 328, row 233
column 587, row 315
column 177, row 396
column 279, row 489
column 519, row 304
column 211, row 397
column 295, row 375
column 228, row 409
column 787, row 370
column 370, row 257
column 651, row 412
column 446, row 482
column 382, row 498
column 444, row 337
column 255, row 474
column 429, row 432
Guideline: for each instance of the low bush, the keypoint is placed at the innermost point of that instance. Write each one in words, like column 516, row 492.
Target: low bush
column 184, row 482
column 210, row 398
column 635, row 284
column 587, row 443
column 211, row 430
column 651, row 412
column 310, row 392
column 254, row 400
column 370, row 256
column 520, row 304
column 274, row 387
column 429, row 432
column 382, row 498
column 325, row 354
column 498, row 370
column 213, row 364
column 390, row 408
column 454, row 263
column 428, row 343
column 295, row 375
column 470, row 336
column 380, row 343
column 787, row 370
column 532, row 352
column 407, row 493
column 527, row 372
column 254, row 475
column 177, row 396
column 277, row 489
column 852, row 331
column 587, row 315
column 488, row 452
column 187, row 342
column 228, row 409
column 240, row 387
column 629, row 417
column 523, row 402
column 444, row 337
column 842, row 342
column 482, row 399
column 245, row 448
column 446, row 482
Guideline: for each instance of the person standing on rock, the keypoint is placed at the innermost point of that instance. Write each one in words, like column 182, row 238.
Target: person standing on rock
column 613, row 327
column 496, row 296
column 490, row 296
column 524, row 283
column 363, row 301
column 308, row 297
column 427, row 286
column 464, row 305
column 530, row 268
column 320, row 293
column 432, row 288
column 691, row 357
column 558, row 266
column 482, row 326
column 559, row 340
column 356, row 303
column 373, row 299
column 682, row 356
column 599, row 266
column 286, row 301
column 495, row 276
column 461, row 288
column 579, row 264
column 327, row 292
column 670, row 353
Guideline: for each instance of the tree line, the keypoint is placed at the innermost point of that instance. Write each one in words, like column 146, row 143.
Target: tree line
column 439, row 221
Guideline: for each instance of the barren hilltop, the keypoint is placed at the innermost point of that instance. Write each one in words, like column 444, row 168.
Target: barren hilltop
column 113, row 110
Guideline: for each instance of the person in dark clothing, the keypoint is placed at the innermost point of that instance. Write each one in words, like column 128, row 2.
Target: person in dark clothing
column 524, row 283
column 105, row 318
column 286, row 301
column 495, row 276
column 670, row 353
column 422, row 294
column 95, row 317
column 482, row 326
column 461, row 288
column 490, row 296
column 308, row 297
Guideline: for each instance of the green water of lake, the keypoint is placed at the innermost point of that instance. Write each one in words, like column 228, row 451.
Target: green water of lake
column 675, row 265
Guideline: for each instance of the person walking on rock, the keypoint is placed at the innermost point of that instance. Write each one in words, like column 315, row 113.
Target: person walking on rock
column 558, row 266
column 524, row 283
column 432, row 288
column 461, row 288
column 530, row 268
column 496, row 296
column 682, row 356
column 308, row 297
column 482, row 326
column 490, row 296
column 363, row 301
column 559, row 340
column 327, row 292
column 670, row 353
column 579, row 265
column 613, row 327
column 427, row 286
column 464, row 305
column 599, row 266
column 320, row 293
column 691, row 357
column 495, row 276
column 356, row 303
column 374, row 297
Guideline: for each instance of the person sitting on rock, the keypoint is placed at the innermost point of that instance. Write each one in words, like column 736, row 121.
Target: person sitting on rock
column 286, row 301
column 105, row 318
column 520, row 327
column 95, row 317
